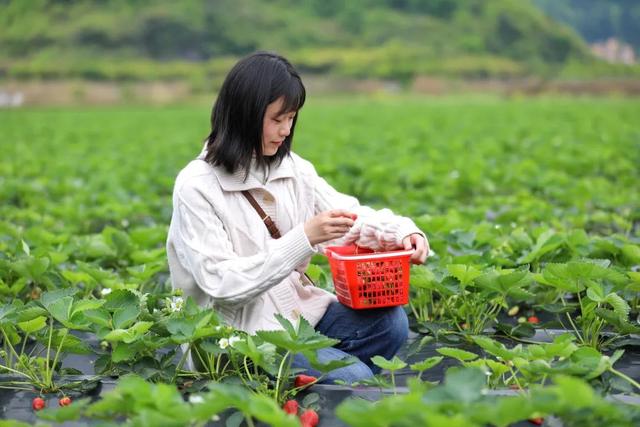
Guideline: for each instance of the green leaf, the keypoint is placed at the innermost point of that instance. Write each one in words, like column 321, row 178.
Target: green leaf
column 591, row 361
column 129, row 335
column 100, row 317
column 456, row 353
column 72, row 412
column 631, row 253
column 579, row 392
column 620, row 306
column 61, row 309
column 34, row 325
column 547, row 242
column 495, row 348
column 119, row 299
column 51, row 297
column 595, row 292
column 306, row 338
column 30, row 267
column 391, row 365
column 123, row 352
column 25, row 248
column 310, row 399
column 427, row 363
column 125, row 316
column 461, row 385
column 464, row 273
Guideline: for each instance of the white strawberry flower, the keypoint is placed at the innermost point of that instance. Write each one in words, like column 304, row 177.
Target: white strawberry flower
column 223, row 343
column 176, row 304
column 195, row 399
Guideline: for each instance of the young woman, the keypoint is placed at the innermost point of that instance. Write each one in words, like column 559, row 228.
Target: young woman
column 220, row 250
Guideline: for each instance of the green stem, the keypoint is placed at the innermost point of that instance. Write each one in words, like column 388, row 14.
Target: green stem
column 49, row 379
column 46, row 368
column 24, row 343
column 246, row 368
column 180, row 363
column 26, row 367
column 393, row 382
column 625, row 377
column 15, row 371
column 515, row 377
column 415, row 313
column 17, row 388
column 279, row 379
column 571, row 321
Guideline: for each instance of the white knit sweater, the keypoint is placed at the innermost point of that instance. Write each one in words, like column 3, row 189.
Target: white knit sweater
column 221, row 253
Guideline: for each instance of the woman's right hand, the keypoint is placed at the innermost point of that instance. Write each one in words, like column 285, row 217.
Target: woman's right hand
column 328, row 225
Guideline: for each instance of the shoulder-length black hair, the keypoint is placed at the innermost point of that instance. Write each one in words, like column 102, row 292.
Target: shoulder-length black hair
column 236, row 120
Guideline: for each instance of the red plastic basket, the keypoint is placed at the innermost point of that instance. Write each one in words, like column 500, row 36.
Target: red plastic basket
column 367, row 279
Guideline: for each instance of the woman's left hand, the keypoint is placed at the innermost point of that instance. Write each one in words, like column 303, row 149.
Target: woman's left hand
column 421, row 246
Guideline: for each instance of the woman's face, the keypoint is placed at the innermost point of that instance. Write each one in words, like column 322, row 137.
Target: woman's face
column 275, row 127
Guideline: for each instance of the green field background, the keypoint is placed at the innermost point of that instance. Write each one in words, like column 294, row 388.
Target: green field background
column 566, row 162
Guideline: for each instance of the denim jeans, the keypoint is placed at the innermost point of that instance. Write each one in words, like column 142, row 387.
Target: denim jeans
column 362, row 333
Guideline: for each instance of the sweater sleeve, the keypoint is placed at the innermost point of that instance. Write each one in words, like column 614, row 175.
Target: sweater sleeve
column 380, row 230
column 218, row 270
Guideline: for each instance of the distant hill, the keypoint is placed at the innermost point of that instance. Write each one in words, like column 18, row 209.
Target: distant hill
column 598, row 20
column 199, row 39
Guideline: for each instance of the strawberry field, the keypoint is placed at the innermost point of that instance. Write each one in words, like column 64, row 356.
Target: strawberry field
column 526, row 313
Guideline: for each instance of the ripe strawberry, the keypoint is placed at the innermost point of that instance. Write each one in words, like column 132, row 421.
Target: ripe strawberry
column 290, row 407
column 304, row 380
column 533, row 319
column 38, row 403
column 64, row 401
column 537, row 421
column 309, row 418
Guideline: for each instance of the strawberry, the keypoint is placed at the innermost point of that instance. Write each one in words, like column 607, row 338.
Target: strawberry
column 64, row 401
column 38, row 403
column 533, row 319
column 304, row 380
column 537, row 421
column 309, row 418
column 291, row 407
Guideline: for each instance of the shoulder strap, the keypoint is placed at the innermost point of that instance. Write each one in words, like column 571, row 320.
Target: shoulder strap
column 271, row 226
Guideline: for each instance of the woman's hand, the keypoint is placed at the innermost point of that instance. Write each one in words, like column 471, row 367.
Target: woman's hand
column 328, row 225
column 421, row 246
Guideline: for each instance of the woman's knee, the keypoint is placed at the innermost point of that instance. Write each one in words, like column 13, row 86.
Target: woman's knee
column 397, row 325
column 355, row 372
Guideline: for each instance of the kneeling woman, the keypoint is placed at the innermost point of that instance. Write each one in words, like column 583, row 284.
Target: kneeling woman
column 222, row 254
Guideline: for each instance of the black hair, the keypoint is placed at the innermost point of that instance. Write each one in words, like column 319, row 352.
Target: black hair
column 236, row 119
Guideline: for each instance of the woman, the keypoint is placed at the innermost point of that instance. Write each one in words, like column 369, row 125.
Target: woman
column 222, row 254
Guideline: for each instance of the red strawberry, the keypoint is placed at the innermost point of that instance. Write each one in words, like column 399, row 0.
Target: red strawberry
column 290, row 407
column 304, row 380
column 38, row 403
column 64, row 401
column 309, row 418
column 537, row 421
column 533, row 319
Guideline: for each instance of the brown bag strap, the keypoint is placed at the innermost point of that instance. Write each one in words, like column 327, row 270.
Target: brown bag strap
column 271, row 226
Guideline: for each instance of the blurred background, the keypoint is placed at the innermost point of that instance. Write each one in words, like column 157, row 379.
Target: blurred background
column 68, row 52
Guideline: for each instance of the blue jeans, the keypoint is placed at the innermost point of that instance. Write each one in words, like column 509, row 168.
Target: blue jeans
column 362, row 333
